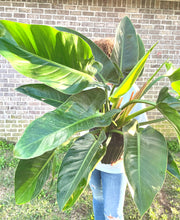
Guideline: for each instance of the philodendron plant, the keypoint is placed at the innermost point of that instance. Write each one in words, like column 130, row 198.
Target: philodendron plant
column 75, row 75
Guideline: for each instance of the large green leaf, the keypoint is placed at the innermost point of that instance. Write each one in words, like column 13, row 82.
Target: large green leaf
column 76, row 168
column 172, row 167
column 141, row 50
column 140, row 47
column 125, row 52
column 131, row 78
column 109, row 72
column 165, row 97
column 174, row 76
column 171, row 115
column 61, row 60
column 145, row 161
column 167, row 105
column 31, row 175
column 44, row 93
column 78, row 113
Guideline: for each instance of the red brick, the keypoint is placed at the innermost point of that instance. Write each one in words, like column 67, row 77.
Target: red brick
column 170, row 27
column 87, row 24
column 11, row 9
column 5, row 3
column 31, row 5
column 37, row 11
column 99, row 35
column 75, row 12
column 45, row 17
column 177, row 12
column 71, row 18
column 56, row 17
column 97, row 8
column 83, row 19
column 17, row 4
column 37, row 22
column 33, row 16
column 82, row 7
column 147, row 16
column 169, row 12
column 41, row 5
column 115, row 14
column 19, row 15
column 6, row 15
column 108, row 9
column 97, row 19
column 62, row 12
column 86, row 13
column 24, row 10
column 52, row 12
column 120, row 9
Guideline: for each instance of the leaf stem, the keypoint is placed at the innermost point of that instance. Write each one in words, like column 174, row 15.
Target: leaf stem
column 138, row 101
column 116, row 131
column 149, row 108
column 150, row 79
column 112, row 90
column 151, row 121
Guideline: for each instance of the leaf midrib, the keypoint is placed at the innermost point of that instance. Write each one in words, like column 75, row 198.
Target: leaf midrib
column 67, row 127
column 36, row 176
column 139, row 160
column 55, row 64
column 92, row 149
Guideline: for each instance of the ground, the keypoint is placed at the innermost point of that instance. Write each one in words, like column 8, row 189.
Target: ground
column 165, row 206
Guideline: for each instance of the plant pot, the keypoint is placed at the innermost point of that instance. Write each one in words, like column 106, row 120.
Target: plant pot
column 114, row 149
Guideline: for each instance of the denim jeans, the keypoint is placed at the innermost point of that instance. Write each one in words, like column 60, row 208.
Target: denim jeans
column 108, row 195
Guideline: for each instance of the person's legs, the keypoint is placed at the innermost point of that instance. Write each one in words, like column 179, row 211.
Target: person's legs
column 96, row 187
column 114, row 186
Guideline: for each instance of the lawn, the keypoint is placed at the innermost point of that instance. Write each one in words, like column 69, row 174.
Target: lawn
column 165, row 206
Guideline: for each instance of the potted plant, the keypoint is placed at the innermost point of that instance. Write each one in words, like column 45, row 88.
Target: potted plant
column 74, row 74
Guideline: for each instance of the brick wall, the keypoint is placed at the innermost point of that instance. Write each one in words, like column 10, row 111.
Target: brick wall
column 154, row 20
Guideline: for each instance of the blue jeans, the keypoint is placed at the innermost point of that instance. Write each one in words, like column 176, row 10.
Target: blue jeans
column 108, row 195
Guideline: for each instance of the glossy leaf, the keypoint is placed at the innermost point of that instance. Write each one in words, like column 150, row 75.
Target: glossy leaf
column 78, row 113
column 30, row 177
column 44, row 93
column 172, row 167
column 167, row 105
column 141, row 50
column 58, row 59
column 165, row 97
column 150, row 84
column 125, row 52
column 176, row 85
column 145, row 160
column 141, row 47
column 131, row 78
column 171, row 115
column 174, row 76
column 76, row 168
column 109, row 72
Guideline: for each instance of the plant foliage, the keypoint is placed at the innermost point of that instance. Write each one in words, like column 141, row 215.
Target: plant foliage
column 74, row 73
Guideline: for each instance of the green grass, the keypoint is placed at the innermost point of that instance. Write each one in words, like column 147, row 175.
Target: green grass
column 173, row 146
column 6, row 157
column 165, row 206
